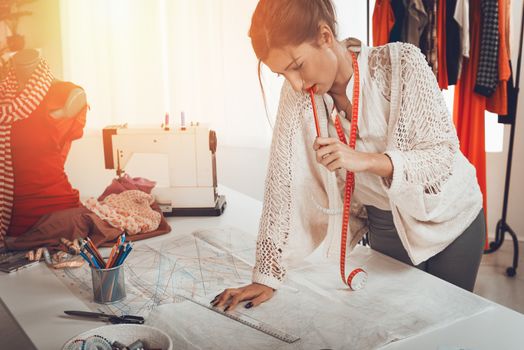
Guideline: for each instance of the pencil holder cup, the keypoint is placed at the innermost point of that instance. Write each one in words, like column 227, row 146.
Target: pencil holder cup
column 108, row 284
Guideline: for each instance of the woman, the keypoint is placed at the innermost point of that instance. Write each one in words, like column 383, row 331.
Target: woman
column 415, row 193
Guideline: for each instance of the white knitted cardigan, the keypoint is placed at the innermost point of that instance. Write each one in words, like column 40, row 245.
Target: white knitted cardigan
column 434, row 194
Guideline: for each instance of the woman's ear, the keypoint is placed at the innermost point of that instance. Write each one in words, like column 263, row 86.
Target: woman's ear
column 325, row 35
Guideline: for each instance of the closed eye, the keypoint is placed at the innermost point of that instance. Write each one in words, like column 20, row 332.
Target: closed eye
column 299, row 67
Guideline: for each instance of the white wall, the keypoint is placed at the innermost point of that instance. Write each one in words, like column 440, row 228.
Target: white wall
column 42, row 30
column 239, row 168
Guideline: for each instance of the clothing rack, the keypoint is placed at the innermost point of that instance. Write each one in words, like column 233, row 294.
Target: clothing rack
column 513, row 92
column 502, row 225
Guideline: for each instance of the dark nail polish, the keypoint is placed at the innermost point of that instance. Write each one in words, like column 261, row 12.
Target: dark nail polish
column 248, row 305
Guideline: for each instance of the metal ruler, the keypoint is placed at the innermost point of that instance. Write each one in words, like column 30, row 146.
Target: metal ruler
column 246, row 320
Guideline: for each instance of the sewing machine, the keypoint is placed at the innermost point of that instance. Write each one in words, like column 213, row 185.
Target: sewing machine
column 190, row 151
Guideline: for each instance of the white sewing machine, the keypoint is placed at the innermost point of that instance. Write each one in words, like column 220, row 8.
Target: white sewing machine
column 190, row 151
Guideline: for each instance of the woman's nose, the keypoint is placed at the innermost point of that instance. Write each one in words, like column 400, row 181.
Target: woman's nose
column 297, row 82
column 297, row 85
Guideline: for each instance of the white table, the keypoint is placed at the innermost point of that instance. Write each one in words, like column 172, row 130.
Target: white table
column 37, row 298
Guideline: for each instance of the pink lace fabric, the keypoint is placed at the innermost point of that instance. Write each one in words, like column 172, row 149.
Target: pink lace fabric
column 129, row 210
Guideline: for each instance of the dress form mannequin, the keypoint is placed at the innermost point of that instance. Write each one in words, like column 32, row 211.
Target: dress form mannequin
column 25, row 62
column 45, row 119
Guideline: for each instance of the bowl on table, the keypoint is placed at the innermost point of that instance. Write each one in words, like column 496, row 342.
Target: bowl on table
column 152, row 338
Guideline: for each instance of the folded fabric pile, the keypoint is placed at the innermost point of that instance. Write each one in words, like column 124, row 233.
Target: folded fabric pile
column 129, row 211
column 126, row 204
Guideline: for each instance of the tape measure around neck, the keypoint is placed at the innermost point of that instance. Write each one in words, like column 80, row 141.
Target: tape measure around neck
column 357, row 278
column 350, row 176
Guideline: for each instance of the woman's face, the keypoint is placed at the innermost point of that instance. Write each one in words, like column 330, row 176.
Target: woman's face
column 305, row 66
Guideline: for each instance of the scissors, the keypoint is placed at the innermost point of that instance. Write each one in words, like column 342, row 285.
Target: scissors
column 108, row 318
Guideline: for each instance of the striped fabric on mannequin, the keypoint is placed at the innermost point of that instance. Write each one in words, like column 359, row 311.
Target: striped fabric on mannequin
column 16, row 105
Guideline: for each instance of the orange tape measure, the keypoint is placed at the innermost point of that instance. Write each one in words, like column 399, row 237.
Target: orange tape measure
column 358, row 277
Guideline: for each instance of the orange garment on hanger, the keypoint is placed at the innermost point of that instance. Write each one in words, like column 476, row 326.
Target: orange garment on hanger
column 40, row 145
column 442, row 74
column 469, row 107
column 383, row 21
column 498, row 102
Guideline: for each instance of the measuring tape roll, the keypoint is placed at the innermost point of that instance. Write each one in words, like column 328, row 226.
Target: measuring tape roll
column 357, row 279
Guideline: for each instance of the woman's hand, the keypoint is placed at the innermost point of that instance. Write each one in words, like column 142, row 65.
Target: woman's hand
column 256, row 294
column 333, row 154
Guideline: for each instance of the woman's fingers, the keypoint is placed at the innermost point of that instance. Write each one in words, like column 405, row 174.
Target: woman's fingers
column 236, row 299
column 254, row 293
column 332, row 161
column 255, row 299
column 224, row 297
column 335, row 165
column 321, row 142
column 231, row 297
column 212, row 302
column 258, row 300
column 325, row 151
column 329, row 158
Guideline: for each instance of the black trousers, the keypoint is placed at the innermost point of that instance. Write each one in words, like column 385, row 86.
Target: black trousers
column 457, row 264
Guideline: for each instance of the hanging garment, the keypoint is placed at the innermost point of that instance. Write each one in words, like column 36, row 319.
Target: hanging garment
column 487, row 71
column 16, row 106
column 383, row 22
column 453, row 46
column 415, row 21
column 399, row 11
column 462, row 17
column 498, row 102
column 469, row 107
column 40, row 145
column 429, row 40
column 442, row 74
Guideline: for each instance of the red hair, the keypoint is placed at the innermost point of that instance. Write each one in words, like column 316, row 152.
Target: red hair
column 278, row 23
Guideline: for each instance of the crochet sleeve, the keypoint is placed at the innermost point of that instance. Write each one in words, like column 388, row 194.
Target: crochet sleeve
column 274, row 227
column 423, row 143
column 290, row 228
